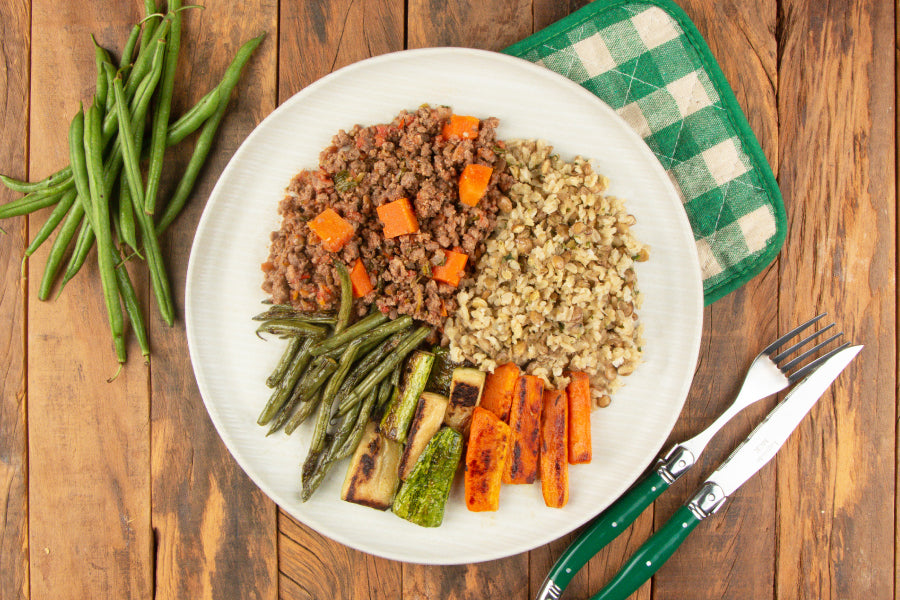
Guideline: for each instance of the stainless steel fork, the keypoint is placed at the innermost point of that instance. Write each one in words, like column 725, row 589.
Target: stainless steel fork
column 770, row 372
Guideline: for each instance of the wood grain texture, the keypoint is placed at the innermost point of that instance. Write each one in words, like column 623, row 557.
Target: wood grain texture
column 317, row 38
column 548, row 12
column 14, row 92
column 89, row 442
column 737, row 544
column 836, row 474
column 214, row 530
column 319, row 568
column 468, row 23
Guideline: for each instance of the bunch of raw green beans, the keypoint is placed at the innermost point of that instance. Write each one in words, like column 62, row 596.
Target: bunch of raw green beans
column 104, row 194
column 346, row 371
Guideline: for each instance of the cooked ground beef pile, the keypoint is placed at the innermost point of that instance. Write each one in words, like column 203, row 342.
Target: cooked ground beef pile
column 370, row 166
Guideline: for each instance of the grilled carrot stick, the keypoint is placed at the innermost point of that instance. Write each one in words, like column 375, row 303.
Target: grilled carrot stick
column 525, row 425
column 498, row 390
column 485, row 460
column 554, row 449
column 579, row 392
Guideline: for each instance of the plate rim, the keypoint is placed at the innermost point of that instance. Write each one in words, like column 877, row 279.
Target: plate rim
column 693, row 345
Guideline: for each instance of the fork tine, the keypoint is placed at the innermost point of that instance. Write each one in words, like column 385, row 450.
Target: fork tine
column 780, row 341
column 809, row 352
column 812, row 366
column 800, row 344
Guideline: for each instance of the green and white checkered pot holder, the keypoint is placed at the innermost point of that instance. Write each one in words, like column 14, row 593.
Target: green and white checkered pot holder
column 646, row 59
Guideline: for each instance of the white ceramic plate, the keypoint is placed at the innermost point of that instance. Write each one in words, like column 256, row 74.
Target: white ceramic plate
column 224, row 277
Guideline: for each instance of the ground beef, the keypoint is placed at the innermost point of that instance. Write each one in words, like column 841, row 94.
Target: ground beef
column 364, row 168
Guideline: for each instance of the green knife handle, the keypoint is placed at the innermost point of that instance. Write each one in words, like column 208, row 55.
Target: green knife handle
column 602, row 531
column 650, row 557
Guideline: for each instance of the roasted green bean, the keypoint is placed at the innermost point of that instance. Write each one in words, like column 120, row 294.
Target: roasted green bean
column 281, row 394
column 355, row 330
column 293, row 347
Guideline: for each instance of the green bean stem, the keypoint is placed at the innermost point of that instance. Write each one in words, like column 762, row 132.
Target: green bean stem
column 150, row 9
column 163, row 109
column 91, row 124
column 204, row 142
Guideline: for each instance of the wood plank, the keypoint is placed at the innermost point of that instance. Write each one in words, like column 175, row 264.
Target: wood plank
column 320, row 568
column 468, row 23
column 491, row 27
column 737, row 544
column 836, row 478
column 14, row 86
column 316, row 39
column 547, row 12
column 215, row 531
column 89, row 444
column 320, row 37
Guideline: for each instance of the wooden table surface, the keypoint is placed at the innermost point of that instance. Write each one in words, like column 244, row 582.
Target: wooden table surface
column 124, row 490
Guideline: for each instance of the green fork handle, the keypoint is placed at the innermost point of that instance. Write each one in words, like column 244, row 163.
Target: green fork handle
column 601, row 532
column 650, row 557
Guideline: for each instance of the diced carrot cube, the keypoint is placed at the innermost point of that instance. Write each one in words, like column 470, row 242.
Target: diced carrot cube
column 461, row 126
column 473, row 183
column 331, row 229
column 398, row 218
column 453, row 268
column 359, row 278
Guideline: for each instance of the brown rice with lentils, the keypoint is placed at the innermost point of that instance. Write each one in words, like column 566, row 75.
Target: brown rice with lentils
column 556, row 288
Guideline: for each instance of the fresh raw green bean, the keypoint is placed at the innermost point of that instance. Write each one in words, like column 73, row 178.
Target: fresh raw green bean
column 101, row 57
column 55, row 218
column 204, row 142
column 144, row 60
column 83, row 245
column 290, row 351
column 93, row 150
column 319, row 371
column 349, row 446
column 128, row 233
column 160, row 126
column 346, row 304
column 148, row 21
column 133, row 310
column 58, row 250
column 159, row 280
column 328, row 397
column 283, row 391
column 128, row 50
column 291, row 327
column 354, row 331
column 385, row 367
column 194, row 118
column 30, row 203
column 17, row 185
